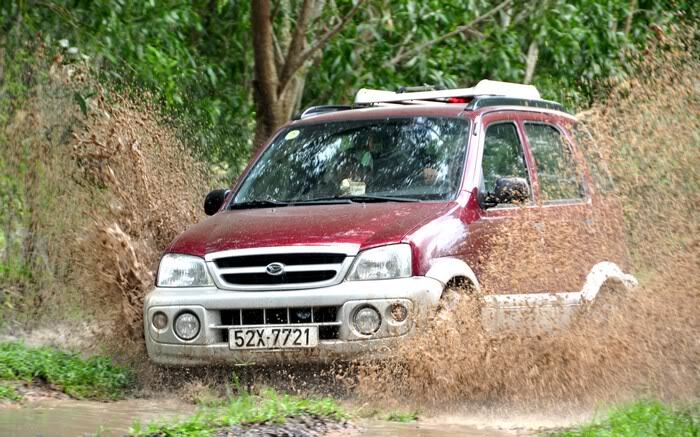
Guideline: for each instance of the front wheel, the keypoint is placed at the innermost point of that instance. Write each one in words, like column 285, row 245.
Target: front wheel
column 459, row 303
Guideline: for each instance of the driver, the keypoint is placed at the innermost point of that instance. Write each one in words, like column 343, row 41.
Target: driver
column 368, row 161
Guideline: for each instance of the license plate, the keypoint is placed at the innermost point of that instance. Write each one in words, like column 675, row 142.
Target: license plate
column 273, row 337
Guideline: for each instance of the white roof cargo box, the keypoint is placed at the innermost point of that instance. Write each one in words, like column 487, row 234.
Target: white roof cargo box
column 484, row 88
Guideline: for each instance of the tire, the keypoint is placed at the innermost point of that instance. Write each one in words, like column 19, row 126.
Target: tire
column 459, row 302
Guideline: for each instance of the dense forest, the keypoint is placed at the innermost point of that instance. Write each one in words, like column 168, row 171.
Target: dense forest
column 231, row 69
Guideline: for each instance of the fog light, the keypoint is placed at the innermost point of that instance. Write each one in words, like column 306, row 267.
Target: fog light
column 367, row 320
column 398, row 312
column 187, row 326
column 160, row 321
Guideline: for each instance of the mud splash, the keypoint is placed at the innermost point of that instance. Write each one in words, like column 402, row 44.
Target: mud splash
column 107, row 185
column 151, row 190
column 648, row 137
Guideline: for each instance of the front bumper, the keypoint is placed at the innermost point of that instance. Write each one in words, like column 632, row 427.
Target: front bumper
column 419, row 294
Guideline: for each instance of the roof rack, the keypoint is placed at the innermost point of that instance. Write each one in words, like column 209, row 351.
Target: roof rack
column 486, row 93
column 318, row 110
column 484, row 88
column 484, row 102
column 415, row 89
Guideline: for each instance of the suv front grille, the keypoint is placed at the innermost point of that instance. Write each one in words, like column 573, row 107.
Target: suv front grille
column 297, row 268
column 284, row 258
column 287, row 278
column 279, row 316
column 324, row 317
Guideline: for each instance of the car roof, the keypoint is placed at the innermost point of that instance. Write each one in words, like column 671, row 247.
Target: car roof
column 451, row 110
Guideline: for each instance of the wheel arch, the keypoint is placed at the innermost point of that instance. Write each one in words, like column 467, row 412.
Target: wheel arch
column 448, row 269
column 602, row 273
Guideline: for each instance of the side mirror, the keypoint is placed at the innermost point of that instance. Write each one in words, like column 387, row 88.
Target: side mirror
column 511, row 190
column 508, row 189
column 213, row 201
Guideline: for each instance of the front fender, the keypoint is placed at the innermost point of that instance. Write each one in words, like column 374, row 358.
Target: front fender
column 447, row 268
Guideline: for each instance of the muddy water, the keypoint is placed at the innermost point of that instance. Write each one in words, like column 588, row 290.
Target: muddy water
column 67, row 418
column 493, row 423
column 431, row 429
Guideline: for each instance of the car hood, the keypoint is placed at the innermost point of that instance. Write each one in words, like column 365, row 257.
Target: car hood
column 362, row 224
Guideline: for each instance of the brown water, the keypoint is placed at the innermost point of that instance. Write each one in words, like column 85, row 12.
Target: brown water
column 429, row 429
column 69, row 418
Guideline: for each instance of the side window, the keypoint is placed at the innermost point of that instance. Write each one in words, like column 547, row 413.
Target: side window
column 556, row 168
column 503, row 155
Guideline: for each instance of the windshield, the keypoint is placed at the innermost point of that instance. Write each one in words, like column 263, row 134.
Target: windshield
column 390, row 159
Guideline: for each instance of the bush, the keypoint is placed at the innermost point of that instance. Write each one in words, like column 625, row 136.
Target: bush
column 92, row 378
column 268, row 407
column 644, row 418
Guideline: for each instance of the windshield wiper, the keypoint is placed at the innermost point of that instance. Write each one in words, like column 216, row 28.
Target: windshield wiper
column 260, row 203
column 359, row 198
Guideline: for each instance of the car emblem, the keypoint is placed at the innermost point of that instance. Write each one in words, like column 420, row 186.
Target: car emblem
column 274, row 269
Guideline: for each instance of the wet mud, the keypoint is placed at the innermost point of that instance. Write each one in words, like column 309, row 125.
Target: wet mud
column 70, row 418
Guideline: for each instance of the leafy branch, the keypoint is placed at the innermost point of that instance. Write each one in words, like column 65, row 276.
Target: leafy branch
column 403, row 56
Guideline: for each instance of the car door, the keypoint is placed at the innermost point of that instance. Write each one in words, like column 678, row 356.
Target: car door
column 505, row 240
column 565, row 200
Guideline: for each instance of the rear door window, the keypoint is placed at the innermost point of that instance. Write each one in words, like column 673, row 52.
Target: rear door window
column 557, row 171
column 503, row 155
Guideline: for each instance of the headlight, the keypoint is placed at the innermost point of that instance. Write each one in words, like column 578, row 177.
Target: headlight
column 183, row 271
column 386, row 262
column 367, row 320
column 187, row 326
column 160, row 321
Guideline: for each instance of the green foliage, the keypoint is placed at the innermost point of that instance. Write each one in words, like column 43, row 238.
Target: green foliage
column 93, row 378
column 192, row 56
column 14, row 170
column 196, row 59
column 644, row 418
column 246, row 408
column 581, row 43
column 402, row 416
column 8, row 393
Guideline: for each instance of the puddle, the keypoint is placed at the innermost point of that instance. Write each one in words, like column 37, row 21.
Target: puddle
column 428, row 429
column 488, row 424
column 68, row 418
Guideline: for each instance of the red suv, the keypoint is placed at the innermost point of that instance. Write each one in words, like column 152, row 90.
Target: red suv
column 353, row 222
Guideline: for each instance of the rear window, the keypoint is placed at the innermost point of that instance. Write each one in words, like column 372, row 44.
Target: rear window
column 557, row 171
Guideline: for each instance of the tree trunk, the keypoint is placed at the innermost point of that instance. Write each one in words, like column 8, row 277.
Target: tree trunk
column 532, row 55
column 275, row 100
column 268, row 118
column 280, row 77
column 268, row 115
